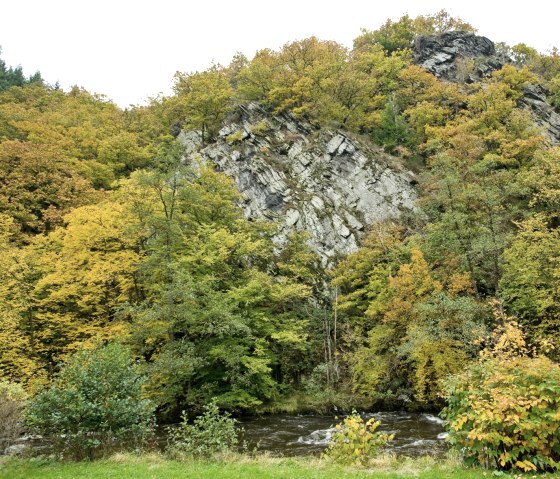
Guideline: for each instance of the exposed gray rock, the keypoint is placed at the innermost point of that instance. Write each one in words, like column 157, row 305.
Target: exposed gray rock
column 320, row 181
column 16, row 449
column 191, row 140
column 444, row 55
column 536, row 102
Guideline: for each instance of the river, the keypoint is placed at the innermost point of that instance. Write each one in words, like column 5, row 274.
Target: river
column 416, row 434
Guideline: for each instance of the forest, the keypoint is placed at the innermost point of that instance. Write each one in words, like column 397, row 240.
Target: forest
column 107, row 235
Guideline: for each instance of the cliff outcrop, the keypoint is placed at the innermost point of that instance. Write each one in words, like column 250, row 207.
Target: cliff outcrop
column 328, row 183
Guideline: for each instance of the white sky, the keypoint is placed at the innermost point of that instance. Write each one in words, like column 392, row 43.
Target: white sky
column 129, row 50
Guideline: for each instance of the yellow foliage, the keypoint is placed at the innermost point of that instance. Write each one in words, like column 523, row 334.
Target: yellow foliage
column 508, row 340
column 356, row 441
column 412, row 283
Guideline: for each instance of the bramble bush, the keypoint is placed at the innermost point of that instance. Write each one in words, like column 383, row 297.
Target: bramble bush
column 95, row 405
column 356, row 441
column 211, row 433
column 504, row 411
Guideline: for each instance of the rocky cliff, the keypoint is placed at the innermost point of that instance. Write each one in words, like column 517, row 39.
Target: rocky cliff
column 317, row 180
column 462, row 56
column 329, row 183
column 446, row 56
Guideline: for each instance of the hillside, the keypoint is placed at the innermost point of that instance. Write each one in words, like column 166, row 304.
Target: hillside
column 317, row 226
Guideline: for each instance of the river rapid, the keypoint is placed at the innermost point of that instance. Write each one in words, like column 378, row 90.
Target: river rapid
column 416, row 434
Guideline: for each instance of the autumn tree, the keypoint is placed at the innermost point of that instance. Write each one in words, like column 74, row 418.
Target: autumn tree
column 473, row 189
column 40, row 187
column 203, row 99
column 420, row 331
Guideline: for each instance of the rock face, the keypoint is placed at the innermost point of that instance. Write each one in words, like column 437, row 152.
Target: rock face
column 306, row 178
column 536, row 102
column 446, row 56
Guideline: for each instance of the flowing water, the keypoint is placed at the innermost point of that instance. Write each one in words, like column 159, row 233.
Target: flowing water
column 415, row 433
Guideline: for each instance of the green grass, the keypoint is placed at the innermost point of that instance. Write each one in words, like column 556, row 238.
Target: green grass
column 157, row 467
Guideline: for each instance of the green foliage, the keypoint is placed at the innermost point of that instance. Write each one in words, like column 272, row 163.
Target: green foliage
column 235, row 137
column 392, row 35
column 57, row 150
column 95, row 405
column 217, row 300
column 442, row 340
column 260, row 128
column 210, row 434
column 355, row 441
column 543, row 180
column 531, row 276
column 203, row 99
column 106, row 233
column 474, row 187
column 322, row 80
column 362, row 278
column 440, row 22
column 420, row 333
column 393, row 128
column 12, row 403
column 400, row 34
column 168, row 264
column 10, row 77
column 554, row 86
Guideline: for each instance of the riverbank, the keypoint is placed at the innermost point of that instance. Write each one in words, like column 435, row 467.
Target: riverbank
column 152, row 466
column 337, row 402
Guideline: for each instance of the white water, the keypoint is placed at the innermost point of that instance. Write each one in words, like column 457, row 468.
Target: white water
column 415, row 434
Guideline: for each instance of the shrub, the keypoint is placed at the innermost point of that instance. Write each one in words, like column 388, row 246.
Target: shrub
column 235, row 137
column 506, row 414
column 94, row 406
column 210, row 434
column 260, row 128
column 12, row 401
column 356, row 441
column 504, row 410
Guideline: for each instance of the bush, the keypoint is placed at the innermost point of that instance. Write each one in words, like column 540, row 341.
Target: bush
column 211, row 433
column 504, row 410
column 506, row 414
column 94, row 406
column 356, row 441
column 260, row 128
column 12, row 401
column 235, row 137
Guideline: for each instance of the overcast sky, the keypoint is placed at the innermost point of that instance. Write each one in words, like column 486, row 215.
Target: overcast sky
column 129, row 50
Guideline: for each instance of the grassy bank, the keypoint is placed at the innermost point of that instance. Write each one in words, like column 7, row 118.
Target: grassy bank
column 157, row 467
